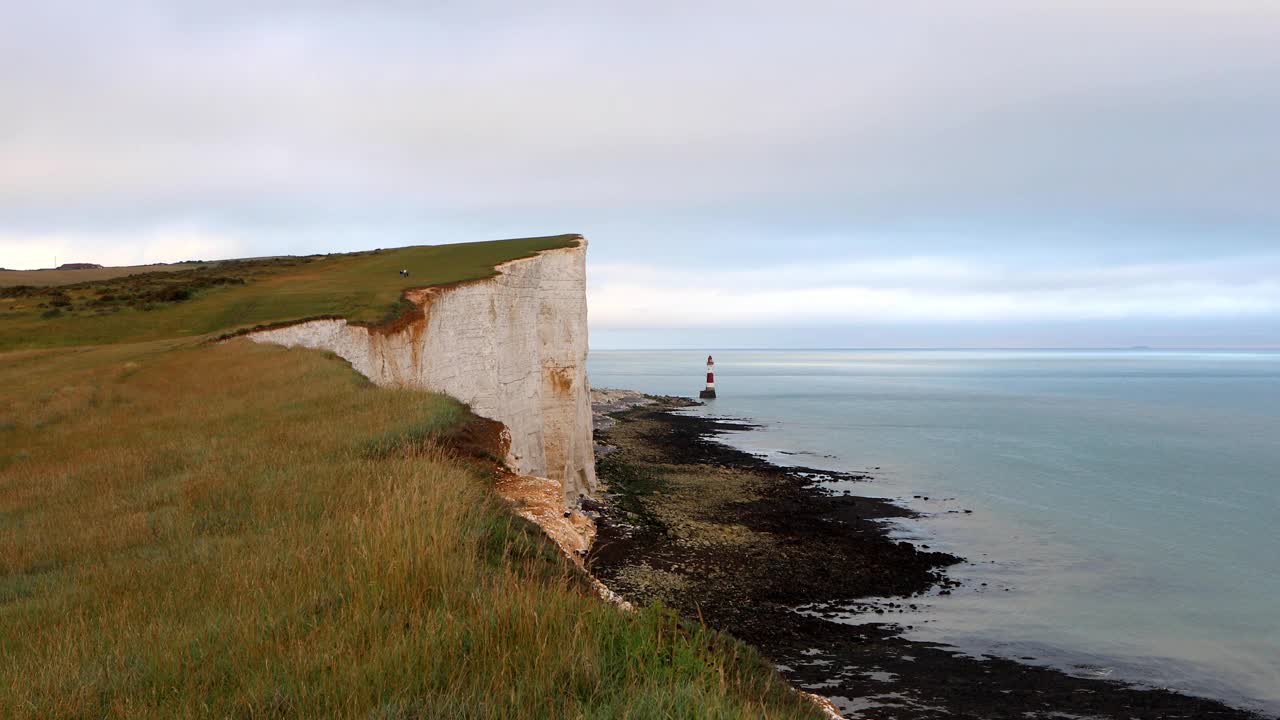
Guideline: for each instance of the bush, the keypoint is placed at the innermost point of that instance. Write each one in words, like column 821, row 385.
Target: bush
column 166, row 293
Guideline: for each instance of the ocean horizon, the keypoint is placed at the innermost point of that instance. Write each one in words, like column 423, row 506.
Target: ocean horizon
column 954, row 348
column 1120, row 501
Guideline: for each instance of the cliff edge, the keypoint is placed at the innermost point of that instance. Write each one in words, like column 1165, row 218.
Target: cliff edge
column 513, row 347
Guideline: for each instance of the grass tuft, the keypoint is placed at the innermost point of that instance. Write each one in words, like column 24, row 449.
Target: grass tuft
column 419, row 434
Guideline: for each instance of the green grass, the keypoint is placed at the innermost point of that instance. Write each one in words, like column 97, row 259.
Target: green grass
column 363, row 287
column 234, row 530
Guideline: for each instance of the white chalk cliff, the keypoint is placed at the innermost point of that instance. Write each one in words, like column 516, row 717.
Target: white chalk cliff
column 513, row 347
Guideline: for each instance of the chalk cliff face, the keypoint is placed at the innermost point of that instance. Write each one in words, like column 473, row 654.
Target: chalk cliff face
column 513, row 347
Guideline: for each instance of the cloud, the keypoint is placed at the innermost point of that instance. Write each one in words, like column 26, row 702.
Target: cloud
column 929, row 290
column 19, row 251
column 1130, row 109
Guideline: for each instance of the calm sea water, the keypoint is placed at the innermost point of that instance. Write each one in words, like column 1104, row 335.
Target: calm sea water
column 1126, row 505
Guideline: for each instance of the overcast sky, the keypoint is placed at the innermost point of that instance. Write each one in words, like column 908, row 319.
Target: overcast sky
column 967, row 172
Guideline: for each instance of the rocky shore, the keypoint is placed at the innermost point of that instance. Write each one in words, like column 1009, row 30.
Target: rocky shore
column 768, row 554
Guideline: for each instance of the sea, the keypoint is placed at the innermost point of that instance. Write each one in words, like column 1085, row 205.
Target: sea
column 1125, row 505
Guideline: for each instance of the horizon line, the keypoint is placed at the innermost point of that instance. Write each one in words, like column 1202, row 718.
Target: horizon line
column 1129, row 348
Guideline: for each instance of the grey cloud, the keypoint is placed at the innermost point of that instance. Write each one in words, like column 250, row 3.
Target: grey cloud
column 923, row 290
column 986, row 107
column 1054, row 334
column 962, row 274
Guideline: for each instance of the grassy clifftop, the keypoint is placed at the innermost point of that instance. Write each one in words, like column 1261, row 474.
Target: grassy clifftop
column 236, row 530
column 225, row 295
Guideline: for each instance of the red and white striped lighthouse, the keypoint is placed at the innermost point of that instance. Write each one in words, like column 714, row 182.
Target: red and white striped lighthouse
column 710, row 392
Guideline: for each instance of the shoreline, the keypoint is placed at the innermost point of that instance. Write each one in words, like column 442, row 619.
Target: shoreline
column 728, row 537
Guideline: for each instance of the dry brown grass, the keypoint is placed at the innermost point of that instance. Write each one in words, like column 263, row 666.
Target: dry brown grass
column 51, row 277
column 246, row 531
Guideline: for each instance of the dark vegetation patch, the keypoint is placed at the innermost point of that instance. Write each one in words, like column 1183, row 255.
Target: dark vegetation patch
column 435, row 427
column 632, row 483
column 403, row 309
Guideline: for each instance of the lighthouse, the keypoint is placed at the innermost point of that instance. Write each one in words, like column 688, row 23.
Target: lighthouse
column 710, row 392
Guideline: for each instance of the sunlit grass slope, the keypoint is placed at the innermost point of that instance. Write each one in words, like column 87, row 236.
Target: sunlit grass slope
column 233, row 530
column 223, row 296
column 245, row 531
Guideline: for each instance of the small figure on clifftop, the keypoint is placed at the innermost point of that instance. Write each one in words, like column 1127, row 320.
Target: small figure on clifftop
column 404, row 273
column 710, row 392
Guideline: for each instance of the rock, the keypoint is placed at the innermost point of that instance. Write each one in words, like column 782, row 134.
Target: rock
column 590, row 505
